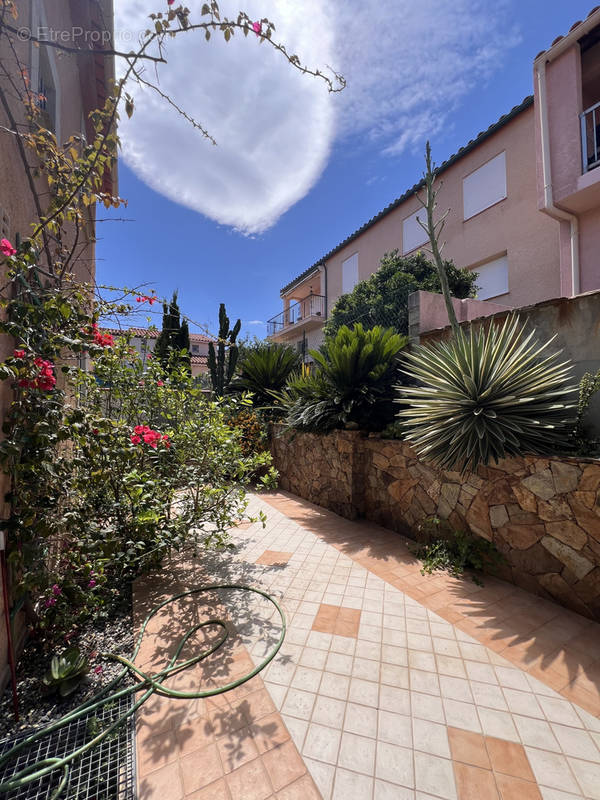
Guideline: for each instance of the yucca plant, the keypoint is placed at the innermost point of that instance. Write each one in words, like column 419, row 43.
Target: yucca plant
column 265, row 369
column 351, row 385
column 485, row 395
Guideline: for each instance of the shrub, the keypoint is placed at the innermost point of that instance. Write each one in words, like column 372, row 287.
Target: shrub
column 486, row 395
column 110, row 469
column 440, row 547
column 584, row 442
column 382, row 299
column 265, row 368
column 251, row 430
column 351, row 385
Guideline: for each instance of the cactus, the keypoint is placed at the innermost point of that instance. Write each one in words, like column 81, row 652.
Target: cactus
column 222, row 360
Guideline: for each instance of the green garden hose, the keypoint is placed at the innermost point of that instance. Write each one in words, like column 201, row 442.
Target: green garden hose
column 148, row 684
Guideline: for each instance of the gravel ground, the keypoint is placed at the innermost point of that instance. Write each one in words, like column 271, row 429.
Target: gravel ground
column 37, row 709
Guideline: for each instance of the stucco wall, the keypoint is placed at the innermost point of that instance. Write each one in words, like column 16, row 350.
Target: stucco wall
column 513, row 226
column 543, row 514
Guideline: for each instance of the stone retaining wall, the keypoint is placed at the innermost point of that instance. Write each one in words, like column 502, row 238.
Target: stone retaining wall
column 543, row 514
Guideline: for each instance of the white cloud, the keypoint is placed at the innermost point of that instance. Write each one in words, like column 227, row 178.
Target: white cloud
column 408, row 66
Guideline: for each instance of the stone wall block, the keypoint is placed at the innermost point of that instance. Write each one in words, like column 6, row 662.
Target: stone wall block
column 577, row 563
column 541, row 484
column 568, row 532
column 526, row 499
column 566, row 476
column 498, row 516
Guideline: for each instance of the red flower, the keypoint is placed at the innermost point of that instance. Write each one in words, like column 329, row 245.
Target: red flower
column 6, row 248
column 257, row 28
column 95, row 431
column 135, row 439
column 98, row 669
column 160, row 383
column 19, row 354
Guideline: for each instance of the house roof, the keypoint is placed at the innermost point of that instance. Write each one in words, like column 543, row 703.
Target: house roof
column 572, row 28
column 152, row 333
column 481, row 137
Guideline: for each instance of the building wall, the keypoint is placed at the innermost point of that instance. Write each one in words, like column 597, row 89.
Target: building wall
column 77, row 82
column 513, row 226
column 571, row 87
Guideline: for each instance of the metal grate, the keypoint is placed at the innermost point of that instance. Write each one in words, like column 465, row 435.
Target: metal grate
column 107, row 772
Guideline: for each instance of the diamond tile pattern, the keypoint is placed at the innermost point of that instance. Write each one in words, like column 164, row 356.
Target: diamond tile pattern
column 394, row 685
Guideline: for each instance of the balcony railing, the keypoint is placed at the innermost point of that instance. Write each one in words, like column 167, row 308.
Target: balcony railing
column 311, row 307
column 590, row 137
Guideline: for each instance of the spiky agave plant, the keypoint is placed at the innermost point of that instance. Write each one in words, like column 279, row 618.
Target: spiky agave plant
column 485, row 395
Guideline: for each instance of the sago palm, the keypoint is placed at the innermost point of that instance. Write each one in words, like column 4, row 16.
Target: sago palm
column 485, row 395
column 265, row 369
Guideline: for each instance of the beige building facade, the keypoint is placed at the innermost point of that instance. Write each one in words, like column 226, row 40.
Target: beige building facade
column 523, row 200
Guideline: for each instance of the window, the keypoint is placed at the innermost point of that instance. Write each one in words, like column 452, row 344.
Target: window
column 413, row 234
column 492, row 278
column 349, row 273
column 195, row 348
column 485, row 187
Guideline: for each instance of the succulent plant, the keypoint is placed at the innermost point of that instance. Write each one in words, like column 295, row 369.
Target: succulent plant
column 484, row 395
column 66, row 672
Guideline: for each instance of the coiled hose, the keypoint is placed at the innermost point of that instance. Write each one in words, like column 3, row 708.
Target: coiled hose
column 148, row 684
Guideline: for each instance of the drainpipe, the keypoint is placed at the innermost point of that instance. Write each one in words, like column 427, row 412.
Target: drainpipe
column 549, row 205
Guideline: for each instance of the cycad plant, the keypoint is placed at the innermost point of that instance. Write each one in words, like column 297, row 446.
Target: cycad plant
column 264, row 369
column 484, row 395
column 351, row 385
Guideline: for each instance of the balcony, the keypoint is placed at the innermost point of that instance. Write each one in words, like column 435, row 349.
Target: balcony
column 590, row 137
column 311, row 309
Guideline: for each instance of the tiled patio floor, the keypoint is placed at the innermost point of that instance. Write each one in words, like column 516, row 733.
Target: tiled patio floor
column 389, row 684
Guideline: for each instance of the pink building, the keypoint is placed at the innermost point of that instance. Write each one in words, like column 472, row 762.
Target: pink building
column 567, row 99
column 540, row 157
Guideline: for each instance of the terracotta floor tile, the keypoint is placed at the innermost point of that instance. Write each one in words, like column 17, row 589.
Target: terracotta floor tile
column 157, row 751
column 468, row 748
column 509, row 758
column 194, row 735
column 256, row 705
column 216, row 791
column 302, row 789
column 284, row 765
column 268, row 732
column 249, row 782
column 199, row 769
column 272, row 558
column 236, row 748
column 515, row 789
column 162, row 783
column 474, row 783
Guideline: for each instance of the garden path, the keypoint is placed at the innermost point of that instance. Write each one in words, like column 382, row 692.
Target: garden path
column 389, row 684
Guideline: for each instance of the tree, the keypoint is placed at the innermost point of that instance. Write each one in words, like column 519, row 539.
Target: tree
column 382, row 299
column 174, row 337
column 222, row 361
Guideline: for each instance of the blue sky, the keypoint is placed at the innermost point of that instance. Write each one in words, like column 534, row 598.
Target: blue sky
column 296, row 170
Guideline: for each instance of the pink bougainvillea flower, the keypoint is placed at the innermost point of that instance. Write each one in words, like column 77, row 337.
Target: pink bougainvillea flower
column 51, row 601
column 257, row 28
column 19, row 354
column 98, row 669
column 6, row 248
column 149, row 356
column 56, row 590
column 92, row 583
column 160, row 383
